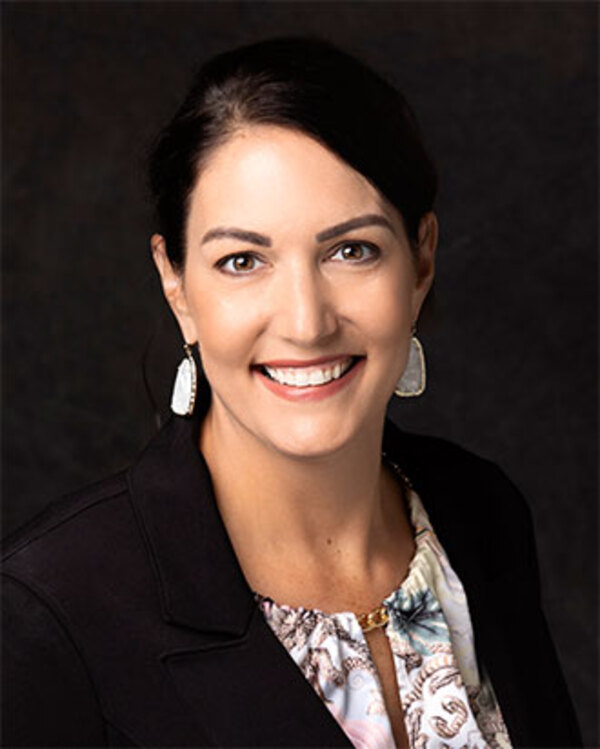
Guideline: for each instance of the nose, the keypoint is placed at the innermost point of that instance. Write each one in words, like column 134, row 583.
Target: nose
column 306, row 311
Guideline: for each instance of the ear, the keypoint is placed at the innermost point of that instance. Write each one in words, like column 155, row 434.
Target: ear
column 173, row 288
column 425, row 259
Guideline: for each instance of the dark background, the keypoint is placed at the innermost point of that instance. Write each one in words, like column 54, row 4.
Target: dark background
column 507, row 97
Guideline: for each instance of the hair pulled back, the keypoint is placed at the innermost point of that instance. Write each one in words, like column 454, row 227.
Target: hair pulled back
column 307, row 84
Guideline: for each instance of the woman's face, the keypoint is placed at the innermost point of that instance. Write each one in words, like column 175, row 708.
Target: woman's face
column 300, row 287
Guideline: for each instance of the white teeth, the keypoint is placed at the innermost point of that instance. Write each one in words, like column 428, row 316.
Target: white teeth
column 309, row 376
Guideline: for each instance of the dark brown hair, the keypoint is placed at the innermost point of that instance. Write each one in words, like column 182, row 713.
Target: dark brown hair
column 307, row 84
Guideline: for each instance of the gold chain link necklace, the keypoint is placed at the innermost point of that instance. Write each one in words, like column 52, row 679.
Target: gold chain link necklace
column 374, row 619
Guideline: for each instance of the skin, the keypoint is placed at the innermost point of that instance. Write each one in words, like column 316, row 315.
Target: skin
column 313, row 516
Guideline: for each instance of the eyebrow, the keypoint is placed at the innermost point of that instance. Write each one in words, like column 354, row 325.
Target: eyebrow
column 370, row 219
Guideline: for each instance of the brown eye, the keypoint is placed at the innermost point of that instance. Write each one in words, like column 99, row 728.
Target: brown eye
column 356, row 252
column 243, row 262
column 352, row 252
column 240, row 264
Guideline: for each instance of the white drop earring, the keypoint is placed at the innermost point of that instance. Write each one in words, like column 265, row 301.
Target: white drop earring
column 183, row 399
column 413, row 380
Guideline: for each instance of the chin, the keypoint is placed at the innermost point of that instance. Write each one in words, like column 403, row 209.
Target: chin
column 310, row 438
column 299, row 450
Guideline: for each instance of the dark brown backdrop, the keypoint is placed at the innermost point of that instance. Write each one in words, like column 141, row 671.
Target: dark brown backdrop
column 507, row 97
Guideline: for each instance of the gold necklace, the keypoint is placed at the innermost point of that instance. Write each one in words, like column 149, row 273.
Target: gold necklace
column 378, row 617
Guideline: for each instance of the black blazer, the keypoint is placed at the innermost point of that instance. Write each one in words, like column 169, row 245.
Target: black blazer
column 128, row 621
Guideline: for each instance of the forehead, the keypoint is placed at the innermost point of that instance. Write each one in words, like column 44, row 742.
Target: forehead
column 275, row 177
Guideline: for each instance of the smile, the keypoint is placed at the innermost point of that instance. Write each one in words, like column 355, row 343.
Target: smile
column 309, row 381
column 309, row 376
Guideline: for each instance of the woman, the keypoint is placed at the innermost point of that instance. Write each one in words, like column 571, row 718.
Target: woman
column 283, row 567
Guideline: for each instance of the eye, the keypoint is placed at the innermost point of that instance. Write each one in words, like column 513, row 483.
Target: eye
column 356, row 252
column 242, row 263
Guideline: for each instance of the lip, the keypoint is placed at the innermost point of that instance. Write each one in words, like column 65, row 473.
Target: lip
column 311, row 393
column 300, row 363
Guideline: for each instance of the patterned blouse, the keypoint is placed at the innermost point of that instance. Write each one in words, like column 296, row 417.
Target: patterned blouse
column 447, row 702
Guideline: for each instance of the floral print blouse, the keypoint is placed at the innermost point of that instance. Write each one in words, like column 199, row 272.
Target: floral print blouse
column 447, row 702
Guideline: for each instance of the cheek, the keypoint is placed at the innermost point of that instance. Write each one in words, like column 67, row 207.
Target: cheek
column 384, row 308
column 227, row 327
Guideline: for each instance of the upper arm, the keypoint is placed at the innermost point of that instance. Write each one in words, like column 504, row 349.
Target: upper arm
column 47, row 696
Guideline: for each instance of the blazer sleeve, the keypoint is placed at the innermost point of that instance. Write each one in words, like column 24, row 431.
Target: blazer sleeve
column 47, row 697
column 545, row 714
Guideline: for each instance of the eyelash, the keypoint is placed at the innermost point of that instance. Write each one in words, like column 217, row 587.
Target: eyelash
column 373, row 249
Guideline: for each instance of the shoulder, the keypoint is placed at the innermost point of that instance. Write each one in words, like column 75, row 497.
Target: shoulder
column 447, row 467
column 475, row 508
column 76, row 543
column 99, row 539
column 69, row 514
column 81, row 506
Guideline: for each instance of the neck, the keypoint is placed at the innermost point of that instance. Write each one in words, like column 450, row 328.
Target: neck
column 337, row 515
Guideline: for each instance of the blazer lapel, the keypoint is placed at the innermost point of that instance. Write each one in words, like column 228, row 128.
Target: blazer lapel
column 251, row 693
column 226, row 664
